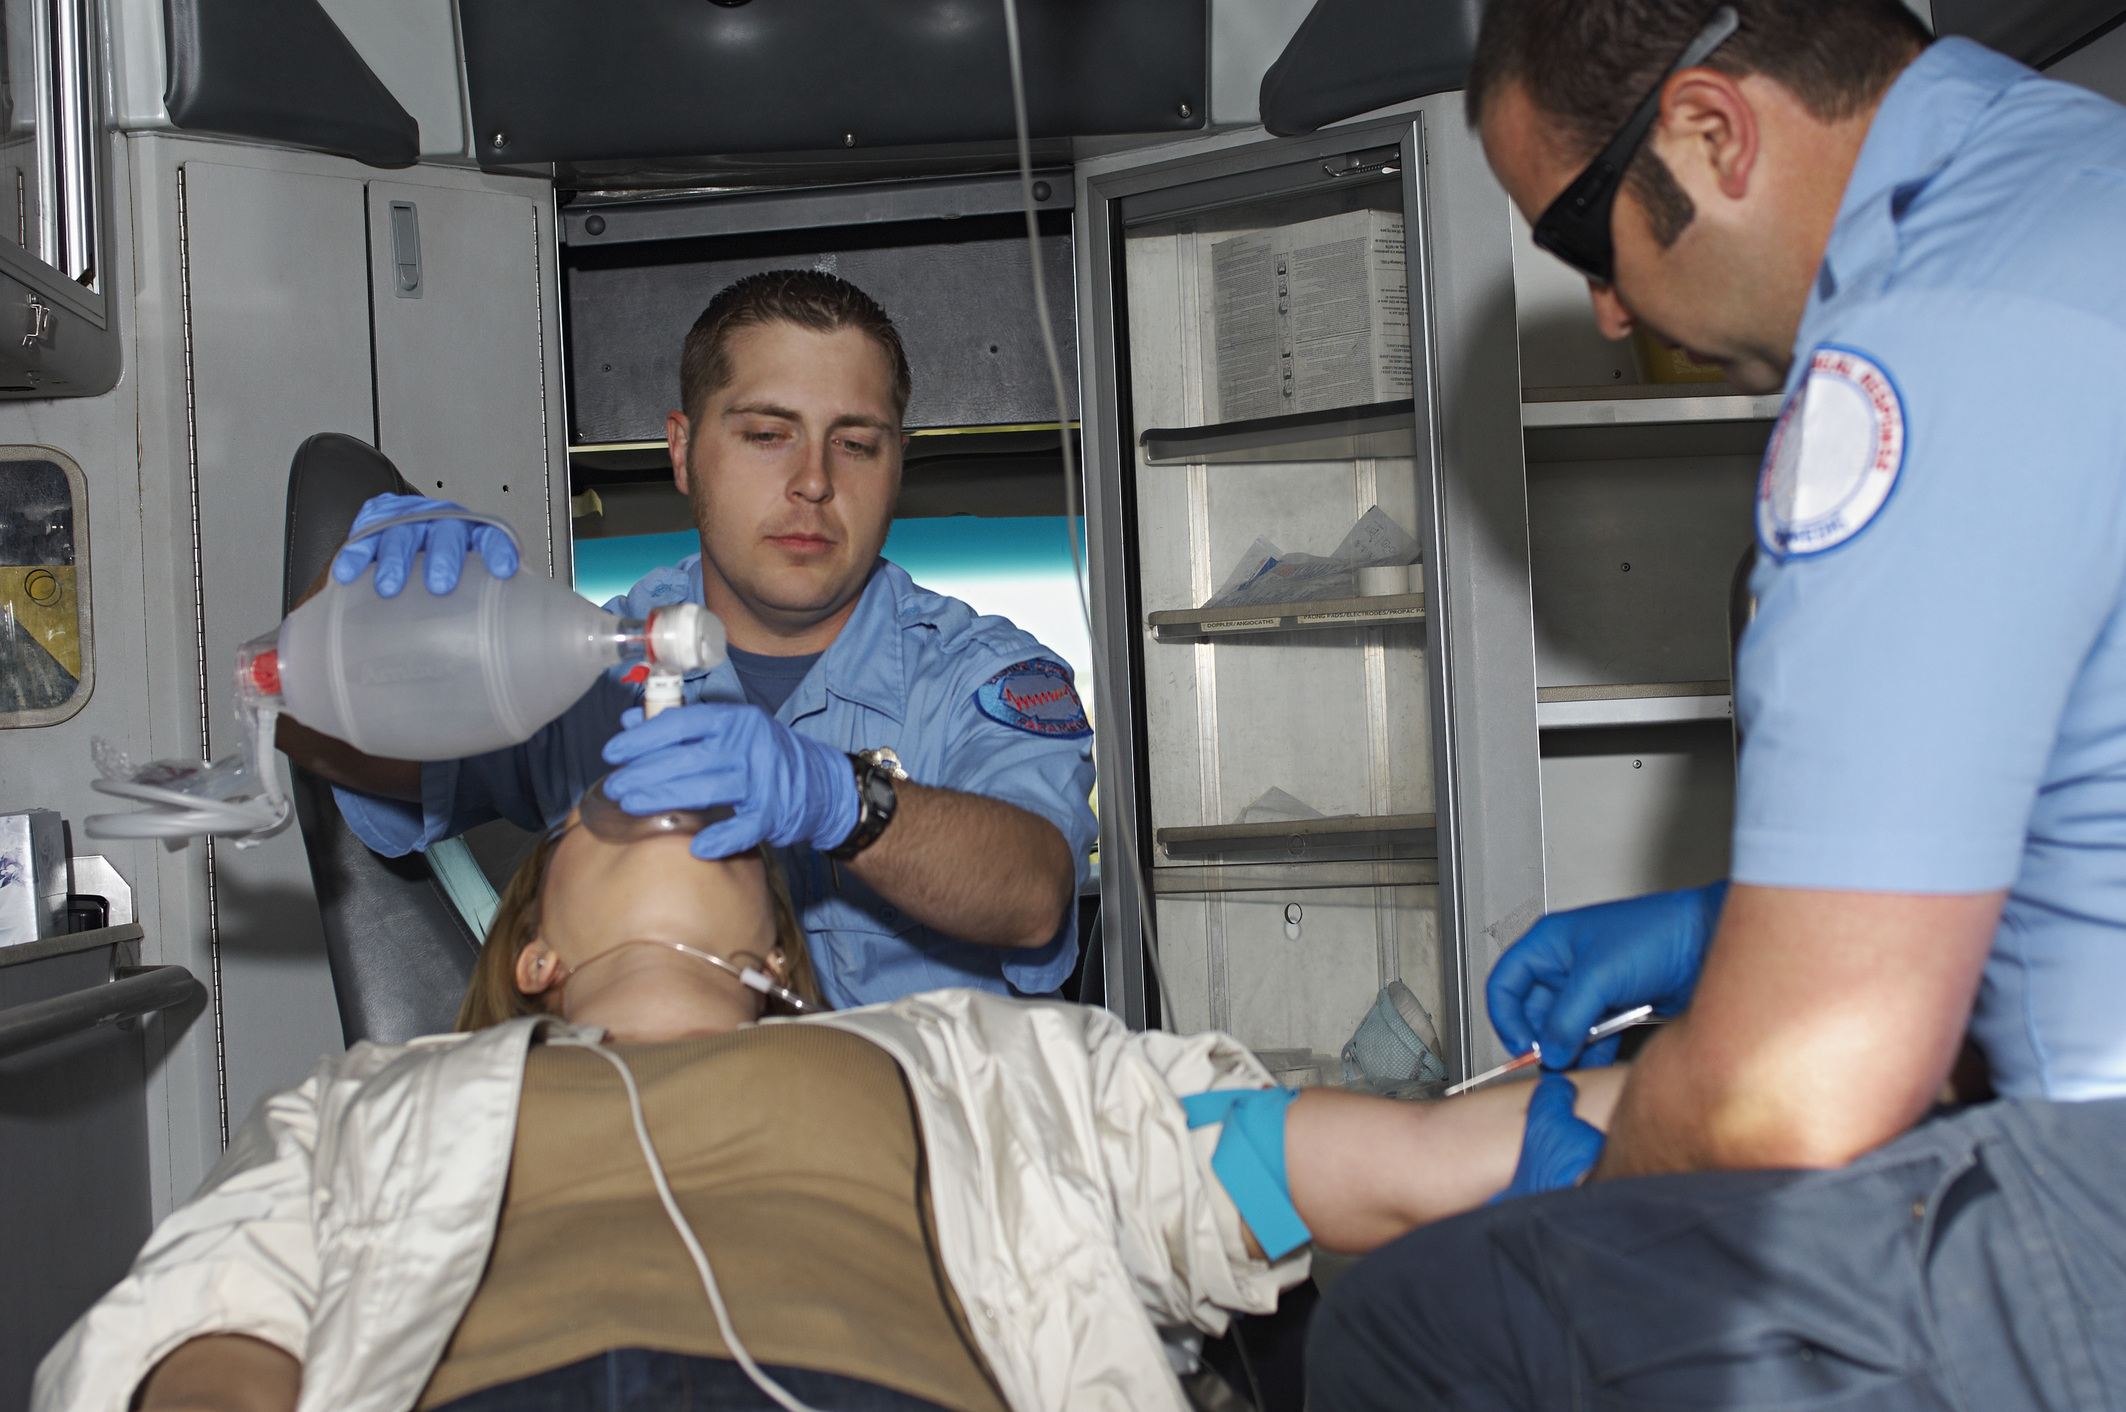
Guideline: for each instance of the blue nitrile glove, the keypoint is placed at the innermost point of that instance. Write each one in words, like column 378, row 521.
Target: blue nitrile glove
column 786, row 789
column 1575, row 969
column 1558, row 1147
column 445, row 541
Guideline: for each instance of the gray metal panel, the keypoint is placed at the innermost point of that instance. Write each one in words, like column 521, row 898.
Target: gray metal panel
column 278, row 300
column 555, row 80
column 467, row 394
column 1637, row 809
column 143, row 646
column 1476, row 569
column 1632, row 563
column 964, row 310
column 73, row 1168
column 866, row 203
column 2035, row 31
column 412, row 48
column 1124, row 897
column 2099, row 66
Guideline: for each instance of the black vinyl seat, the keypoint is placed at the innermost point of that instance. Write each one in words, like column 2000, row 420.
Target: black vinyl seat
column 400, row 952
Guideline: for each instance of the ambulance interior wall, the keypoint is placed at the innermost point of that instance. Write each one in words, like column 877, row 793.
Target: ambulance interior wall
column 252, row 317
column 1634, row 538
column 2099, row 65
column 956, row 289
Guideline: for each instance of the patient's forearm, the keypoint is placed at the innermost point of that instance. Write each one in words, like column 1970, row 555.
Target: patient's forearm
column 1364, row 1170
column 224, row 1373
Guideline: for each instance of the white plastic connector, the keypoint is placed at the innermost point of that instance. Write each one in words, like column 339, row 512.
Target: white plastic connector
column 663, row 689
column 685, row 637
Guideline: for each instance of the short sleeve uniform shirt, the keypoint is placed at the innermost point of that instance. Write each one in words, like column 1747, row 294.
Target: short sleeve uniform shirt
column 1933, row 693
column 968, row 702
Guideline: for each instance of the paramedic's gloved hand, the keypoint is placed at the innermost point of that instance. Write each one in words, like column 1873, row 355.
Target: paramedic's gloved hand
column 1558, row 1147
column 786, row 789
column 445, row 540
column 1575, row 969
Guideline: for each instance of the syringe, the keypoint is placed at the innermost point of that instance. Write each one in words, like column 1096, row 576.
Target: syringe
column 1615, row 1024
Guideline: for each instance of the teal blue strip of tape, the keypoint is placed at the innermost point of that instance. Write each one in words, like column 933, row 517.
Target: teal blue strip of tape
column 1249, row 1160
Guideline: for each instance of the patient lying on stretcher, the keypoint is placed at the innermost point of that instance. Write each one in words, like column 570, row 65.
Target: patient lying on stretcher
column 951, row 1201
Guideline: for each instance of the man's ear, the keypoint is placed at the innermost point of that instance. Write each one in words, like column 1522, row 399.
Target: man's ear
column 538, row 968
column 1709, row 124
column 678, row 432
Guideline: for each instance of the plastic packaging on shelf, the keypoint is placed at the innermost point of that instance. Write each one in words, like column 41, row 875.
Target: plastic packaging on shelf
column 1266, row 574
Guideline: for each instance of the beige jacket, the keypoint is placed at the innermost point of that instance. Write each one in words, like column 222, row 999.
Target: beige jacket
column 350, row 1220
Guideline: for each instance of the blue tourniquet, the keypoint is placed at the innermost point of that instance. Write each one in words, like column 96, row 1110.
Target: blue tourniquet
column 1250, row 1161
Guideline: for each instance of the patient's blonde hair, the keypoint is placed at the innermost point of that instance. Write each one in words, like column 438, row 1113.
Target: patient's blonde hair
column 493, row 997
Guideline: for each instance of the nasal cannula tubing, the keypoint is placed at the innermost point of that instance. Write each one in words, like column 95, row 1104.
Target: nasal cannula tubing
column 748, row 976
column 1615, row 1024
column 1125, row 829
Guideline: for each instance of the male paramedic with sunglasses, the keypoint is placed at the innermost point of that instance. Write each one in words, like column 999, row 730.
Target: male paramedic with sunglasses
column 1924, row 245
column 925, row 770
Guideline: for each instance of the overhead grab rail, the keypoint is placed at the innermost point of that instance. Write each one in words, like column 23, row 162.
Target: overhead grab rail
column 134, row 991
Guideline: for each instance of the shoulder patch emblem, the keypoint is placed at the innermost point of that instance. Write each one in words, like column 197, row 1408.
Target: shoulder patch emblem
column 1834, row 456
column 1034, row 696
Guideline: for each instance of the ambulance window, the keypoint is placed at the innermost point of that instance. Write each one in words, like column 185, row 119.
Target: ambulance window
column 48, row 135
column 46, row 667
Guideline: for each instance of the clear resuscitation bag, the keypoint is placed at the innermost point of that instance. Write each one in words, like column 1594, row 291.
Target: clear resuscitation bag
column 420, row 676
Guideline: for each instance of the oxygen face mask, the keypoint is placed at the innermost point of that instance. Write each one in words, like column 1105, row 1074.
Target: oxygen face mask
column 608, row 821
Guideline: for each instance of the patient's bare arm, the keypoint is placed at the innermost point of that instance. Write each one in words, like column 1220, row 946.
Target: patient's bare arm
column 1364, row 1170
column 335, row 759
column 223, row 1373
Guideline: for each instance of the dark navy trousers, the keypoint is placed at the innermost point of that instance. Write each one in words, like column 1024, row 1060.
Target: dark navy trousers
column 1978, row 1262
column 640, row 1380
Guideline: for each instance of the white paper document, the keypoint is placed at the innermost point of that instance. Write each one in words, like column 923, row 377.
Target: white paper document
column 1309, row 317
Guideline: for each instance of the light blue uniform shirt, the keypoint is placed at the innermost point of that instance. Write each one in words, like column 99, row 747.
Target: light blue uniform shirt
column 905, row 672
column 1933, row 693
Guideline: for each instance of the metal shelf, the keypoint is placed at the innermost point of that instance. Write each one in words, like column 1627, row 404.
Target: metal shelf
column 1644, row 405
column 1335, row 434
column 1202, row 624
column 1300, row 836
column 1302, row 875
column 1631, row 423
column 1641, row 704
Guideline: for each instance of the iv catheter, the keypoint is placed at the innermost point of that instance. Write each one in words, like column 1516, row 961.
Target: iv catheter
column 751, row 977
column 1615, row 1024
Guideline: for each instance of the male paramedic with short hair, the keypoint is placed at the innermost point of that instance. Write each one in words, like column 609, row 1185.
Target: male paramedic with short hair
column 1924, row 244
column 962, row 872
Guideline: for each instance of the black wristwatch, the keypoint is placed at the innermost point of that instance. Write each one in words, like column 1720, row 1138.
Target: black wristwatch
column 876, row 770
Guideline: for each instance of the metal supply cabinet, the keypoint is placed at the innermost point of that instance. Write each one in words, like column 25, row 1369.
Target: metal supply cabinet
column 1407, row 722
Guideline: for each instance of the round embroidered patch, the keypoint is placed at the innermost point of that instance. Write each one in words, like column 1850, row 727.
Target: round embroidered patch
column 1834, row 456
column 1036, row 696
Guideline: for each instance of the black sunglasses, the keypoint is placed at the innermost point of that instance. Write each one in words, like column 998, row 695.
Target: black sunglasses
column 1576, row 226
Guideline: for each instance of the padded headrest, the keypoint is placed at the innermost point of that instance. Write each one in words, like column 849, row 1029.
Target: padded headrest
column 330, row 478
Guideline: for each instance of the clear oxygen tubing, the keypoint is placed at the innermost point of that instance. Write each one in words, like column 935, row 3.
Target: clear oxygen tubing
column 751, row 977
column 753, row 1370
column 1073, row 508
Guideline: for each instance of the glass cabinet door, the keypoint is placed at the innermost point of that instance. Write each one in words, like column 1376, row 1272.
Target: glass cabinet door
column 1286, row 738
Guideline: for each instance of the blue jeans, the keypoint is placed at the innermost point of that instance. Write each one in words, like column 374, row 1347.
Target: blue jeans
column 642, row 1380
column 1977, row 1263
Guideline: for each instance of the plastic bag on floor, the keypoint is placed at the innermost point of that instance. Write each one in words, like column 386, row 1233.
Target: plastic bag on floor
column 1396, row 1044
